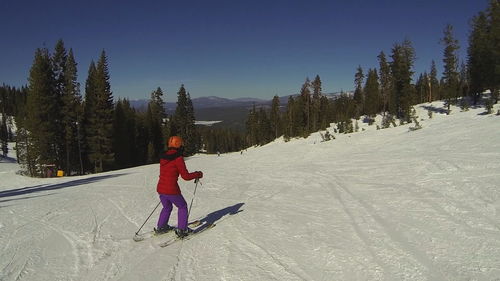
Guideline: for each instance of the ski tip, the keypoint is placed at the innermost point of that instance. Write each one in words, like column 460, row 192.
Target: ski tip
column 194, row 223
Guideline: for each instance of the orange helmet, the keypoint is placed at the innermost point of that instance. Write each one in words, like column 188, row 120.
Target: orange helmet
column 175, row 142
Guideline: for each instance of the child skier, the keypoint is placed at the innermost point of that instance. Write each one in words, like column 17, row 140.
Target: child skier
column 171, row 166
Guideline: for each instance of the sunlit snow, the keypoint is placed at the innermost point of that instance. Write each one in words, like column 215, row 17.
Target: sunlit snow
column 389, row 204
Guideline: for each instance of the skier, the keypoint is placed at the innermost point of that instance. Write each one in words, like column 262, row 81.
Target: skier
column 171, row 166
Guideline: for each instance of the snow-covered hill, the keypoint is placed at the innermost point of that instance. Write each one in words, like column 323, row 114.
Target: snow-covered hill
column 389, row 204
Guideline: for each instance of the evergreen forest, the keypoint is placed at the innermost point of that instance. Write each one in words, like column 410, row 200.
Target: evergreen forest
column 390, row 90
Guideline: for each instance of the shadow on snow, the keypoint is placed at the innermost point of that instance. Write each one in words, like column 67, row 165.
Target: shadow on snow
column 443, row 110
column 23, row 198
column 6, row 159
column 217, row 215
column 45, row 187
column 435, row 109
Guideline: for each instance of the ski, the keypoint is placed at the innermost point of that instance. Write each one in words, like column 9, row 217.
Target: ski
column 195, row 223
column 189, row 236
column 149, row 234
column 152, row 233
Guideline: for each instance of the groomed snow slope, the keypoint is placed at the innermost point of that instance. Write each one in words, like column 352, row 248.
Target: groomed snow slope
column 388, row 204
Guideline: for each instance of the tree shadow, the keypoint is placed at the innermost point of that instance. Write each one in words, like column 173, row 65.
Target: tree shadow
column 435, row 109
column 485, row 113
column 6, row 159
column 476, row 106
column 45, row 187
column 21, row 198
column 217, row 215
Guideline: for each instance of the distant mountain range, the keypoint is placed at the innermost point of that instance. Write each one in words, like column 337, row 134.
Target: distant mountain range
column 231, row 112
column 206, row 102
column 213, row 101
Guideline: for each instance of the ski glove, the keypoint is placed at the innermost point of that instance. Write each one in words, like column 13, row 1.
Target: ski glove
column 199, row 174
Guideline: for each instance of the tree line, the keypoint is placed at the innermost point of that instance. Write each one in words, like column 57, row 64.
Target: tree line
column 11, row 99
column 58, row 128
column 390, row 89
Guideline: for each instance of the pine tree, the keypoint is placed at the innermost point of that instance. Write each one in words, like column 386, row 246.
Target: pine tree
column 155, row 136
column 434, row 90
column 385, row 81
column 3, row 99
column 59, row 66
column 154, row 118
column 252, row 127
column 264, row 127
column 21, row 139
column 71, row 116
column 4, row 135
column 344, row 108
column 422, row 87
column 325, row 112
column 403, row 57
column 275, row 117
column 124, row 135
column 305, row 107
column 450, row 60
column 479, row 54
column 180, row 116
column 168, row 127
column 184, row 122
column 40, row 109
column 372, row 93
column 141, row 139
column 483, row 55
column 193, row 146
column 289, row 120
column 358, row 91
column 258, row 127
column 101, row 123
column 89, row 110
column 463, row 81
column 494, row 40
column 316, row 103
column 120, row 142
column 3, row 122
column 20, row 100
column 12, row 99
column 426, row 88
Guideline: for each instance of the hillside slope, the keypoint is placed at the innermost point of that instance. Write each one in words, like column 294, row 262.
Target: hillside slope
column 388, row 204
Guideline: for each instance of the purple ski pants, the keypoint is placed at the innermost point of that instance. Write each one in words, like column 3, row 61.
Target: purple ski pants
column 182, row 212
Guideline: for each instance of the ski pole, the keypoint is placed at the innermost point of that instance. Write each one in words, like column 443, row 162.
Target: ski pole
column 148, row 218
column 194, row 194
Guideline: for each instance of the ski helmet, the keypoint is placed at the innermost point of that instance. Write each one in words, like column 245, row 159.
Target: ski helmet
column 175, row 142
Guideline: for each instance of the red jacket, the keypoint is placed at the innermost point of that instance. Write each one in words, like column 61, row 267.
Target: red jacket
column 171, row 165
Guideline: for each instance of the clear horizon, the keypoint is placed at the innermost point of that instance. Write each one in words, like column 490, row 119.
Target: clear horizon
column 229, row 49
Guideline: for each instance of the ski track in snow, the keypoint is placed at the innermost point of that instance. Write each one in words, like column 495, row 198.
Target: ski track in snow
column 373, row 205
column 398, row 241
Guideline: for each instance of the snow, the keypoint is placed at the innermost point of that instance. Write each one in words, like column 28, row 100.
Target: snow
column 206, row 123
column 10, row 123
column 389, row 204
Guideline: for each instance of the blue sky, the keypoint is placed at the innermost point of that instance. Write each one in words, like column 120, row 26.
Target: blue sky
column 227, row 48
